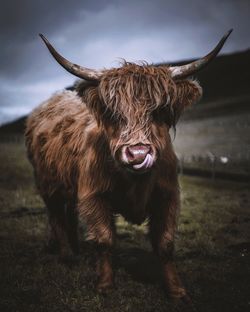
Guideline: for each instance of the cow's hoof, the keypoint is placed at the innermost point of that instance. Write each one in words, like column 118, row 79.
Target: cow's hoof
column 177, row 293
column 183, row 304
column 51, row 247
column 104, row 287
column 69, row 259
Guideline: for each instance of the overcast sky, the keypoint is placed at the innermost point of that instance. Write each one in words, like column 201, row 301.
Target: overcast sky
column 96, row 33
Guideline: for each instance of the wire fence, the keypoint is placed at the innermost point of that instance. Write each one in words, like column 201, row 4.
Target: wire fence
column 11, row 138
column 234, row 166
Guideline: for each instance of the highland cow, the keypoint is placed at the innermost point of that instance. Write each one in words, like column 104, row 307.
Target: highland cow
column 104, row 149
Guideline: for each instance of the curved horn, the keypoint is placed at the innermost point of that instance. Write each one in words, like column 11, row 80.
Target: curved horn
column 77, row 70
column 191, row 68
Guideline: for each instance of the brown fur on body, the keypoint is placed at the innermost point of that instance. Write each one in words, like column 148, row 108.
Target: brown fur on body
column 74, row 140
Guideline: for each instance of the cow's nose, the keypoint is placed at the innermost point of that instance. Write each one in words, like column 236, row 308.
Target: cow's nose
column 136, row 154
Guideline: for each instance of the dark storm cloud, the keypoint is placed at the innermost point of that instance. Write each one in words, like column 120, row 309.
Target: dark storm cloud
column 96, row 33
column 21, row 21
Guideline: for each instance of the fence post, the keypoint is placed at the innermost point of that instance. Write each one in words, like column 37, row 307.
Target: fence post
column 212, row 159
column 181, row 165
column 213, row 168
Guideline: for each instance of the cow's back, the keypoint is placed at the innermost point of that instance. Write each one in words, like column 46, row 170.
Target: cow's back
column 57, row 135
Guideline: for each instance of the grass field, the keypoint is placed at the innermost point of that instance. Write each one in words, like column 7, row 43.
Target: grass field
column 212, row 251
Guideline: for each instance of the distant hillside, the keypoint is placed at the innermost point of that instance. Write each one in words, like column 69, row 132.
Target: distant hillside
column 14, row 127
column 227, row 76
column 226, row 86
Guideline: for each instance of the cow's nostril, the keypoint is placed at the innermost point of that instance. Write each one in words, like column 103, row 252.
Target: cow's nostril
column 130, row 154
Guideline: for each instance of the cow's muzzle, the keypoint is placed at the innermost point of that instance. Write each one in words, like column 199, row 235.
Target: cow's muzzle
column 138, row 157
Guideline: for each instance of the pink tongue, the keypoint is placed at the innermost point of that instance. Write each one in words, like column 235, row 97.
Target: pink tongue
column 147, row 163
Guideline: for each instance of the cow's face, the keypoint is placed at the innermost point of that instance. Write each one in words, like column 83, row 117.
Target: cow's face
column 137, row 105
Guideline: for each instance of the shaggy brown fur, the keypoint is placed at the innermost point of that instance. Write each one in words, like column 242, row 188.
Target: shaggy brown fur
column 74, row 141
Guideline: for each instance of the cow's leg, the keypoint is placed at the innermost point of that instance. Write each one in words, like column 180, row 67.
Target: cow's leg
column 162, row 226
column 96, row 213
column 72, row 226
column 58, row 236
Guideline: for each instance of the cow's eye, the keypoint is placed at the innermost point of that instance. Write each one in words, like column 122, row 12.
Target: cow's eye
column 105, row 113
column 108, row 114
column 159, row 115
column 112, row 117
column 163, row 115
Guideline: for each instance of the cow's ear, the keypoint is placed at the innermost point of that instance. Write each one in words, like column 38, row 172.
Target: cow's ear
column 187, row 93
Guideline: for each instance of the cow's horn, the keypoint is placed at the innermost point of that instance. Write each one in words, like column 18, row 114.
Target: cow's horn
column 191, row 68
column 77, row 70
